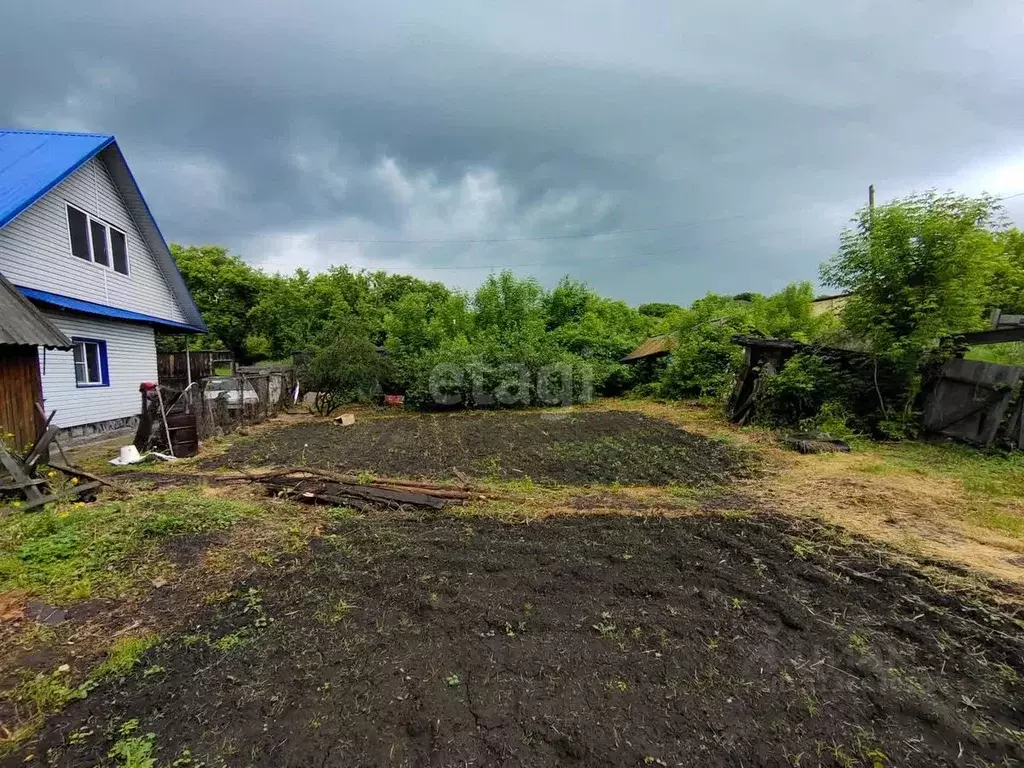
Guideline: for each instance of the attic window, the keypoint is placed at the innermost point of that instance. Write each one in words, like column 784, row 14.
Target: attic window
column 96, row 241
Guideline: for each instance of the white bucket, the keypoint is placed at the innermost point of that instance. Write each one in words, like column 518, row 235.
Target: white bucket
column 129, row 455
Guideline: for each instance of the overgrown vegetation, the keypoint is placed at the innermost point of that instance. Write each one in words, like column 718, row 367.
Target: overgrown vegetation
column 919, row 269
column 73, row 551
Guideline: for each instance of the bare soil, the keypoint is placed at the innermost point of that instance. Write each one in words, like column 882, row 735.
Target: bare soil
column 606, row 640
column 572, row 448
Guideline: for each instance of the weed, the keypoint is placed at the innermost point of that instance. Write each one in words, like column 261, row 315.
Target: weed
column 858, row 644
column 123, row 655
column 68, row 552
column 452, row 681
column 810, row 702
column 131, row 751
column 338, row 611
column 45, row 693
column 231, row 641
column 343, row 513
column 736, row 604
column 80, row 735
column 186, row 760
column 906, row 680
column 605, row 628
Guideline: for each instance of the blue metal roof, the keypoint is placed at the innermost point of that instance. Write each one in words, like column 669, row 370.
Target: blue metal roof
column 34, row 162
column 92, row 308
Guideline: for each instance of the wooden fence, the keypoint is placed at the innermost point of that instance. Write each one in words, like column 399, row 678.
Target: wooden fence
column 970, row 402
column 174, row 368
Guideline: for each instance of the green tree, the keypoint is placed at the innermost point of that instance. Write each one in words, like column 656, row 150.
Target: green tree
column 919, row 269
column 224, row 288
column 658, row 309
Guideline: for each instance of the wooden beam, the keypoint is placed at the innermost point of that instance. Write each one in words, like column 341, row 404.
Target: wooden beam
column 18, row 472
column 41, row 447
column 79, row 491
column 995, row 336
column 79, row 473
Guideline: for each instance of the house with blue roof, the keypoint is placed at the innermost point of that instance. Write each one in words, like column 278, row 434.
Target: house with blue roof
column 79, row 242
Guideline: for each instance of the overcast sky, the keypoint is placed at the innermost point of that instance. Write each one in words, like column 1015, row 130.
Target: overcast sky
column 719, row 146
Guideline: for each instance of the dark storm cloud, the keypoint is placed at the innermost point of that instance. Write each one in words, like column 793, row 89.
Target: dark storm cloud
column 745, row 135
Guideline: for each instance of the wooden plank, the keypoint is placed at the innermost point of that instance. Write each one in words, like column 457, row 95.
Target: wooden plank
column 955, row 408
column 996, row 336
column 80, row 490
column 20, row 486
column 18, row 473
column 970, row 410
column 79, row 473
column 41, row 448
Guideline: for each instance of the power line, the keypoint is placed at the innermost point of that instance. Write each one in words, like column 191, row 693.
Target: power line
column 541, row 238
column 584, row 262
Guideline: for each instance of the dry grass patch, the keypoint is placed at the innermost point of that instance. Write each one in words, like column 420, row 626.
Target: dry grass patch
column 928, row 515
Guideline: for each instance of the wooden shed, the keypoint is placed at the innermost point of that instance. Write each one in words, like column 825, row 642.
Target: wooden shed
column 23, row 330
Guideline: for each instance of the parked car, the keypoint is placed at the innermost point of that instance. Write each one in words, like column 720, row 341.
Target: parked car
column 228, row 388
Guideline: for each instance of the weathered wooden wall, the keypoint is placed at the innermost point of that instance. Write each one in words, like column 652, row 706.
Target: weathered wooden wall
column 20, row 390
column 970, row 400
column 173, row 368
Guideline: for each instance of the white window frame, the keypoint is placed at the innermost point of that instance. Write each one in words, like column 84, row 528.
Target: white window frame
column 101, row 353
column 89, row 219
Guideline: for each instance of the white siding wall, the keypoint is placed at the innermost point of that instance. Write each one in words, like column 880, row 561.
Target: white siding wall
column 35, row 250
column 131, row 360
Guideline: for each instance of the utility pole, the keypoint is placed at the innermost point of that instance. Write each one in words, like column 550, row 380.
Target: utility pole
column 871, row 204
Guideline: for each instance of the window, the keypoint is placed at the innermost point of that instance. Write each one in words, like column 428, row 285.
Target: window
column 78, row 224
column 119, row 250
column 90, row 363
column 96, row 241
column 99, row 243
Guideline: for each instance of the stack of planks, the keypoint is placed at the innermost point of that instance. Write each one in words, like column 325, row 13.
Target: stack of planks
column 382, row 493
column 19, row 476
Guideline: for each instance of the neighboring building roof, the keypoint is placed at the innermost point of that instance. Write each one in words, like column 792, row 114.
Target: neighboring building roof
column 22, row 323
column 656, row 346
column 831, row 297
column 91, row 308
column 34, row 162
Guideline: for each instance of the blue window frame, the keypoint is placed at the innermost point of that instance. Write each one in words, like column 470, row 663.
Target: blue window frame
column 90, row 362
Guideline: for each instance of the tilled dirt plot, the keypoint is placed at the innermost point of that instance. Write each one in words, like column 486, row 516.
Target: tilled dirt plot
column 587, row 447
column 591, row 641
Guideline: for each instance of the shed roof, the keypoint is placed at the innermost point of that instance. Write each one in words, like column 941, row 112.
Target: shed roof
column 655, row 346
column 22, row 323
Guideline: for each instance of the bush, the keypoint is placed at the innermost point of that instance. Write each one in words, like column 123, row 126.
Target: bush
column 347, row 369
column 705, row 360
column 798, row 392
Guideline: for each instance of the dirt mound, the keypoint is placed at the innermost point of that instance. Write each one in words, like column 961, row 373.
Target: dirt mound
column 573, row 448
column 597, row 641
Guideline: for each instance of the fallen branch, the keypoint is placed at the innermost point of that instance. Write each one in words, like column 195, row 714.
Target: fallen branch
column 81, row 474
